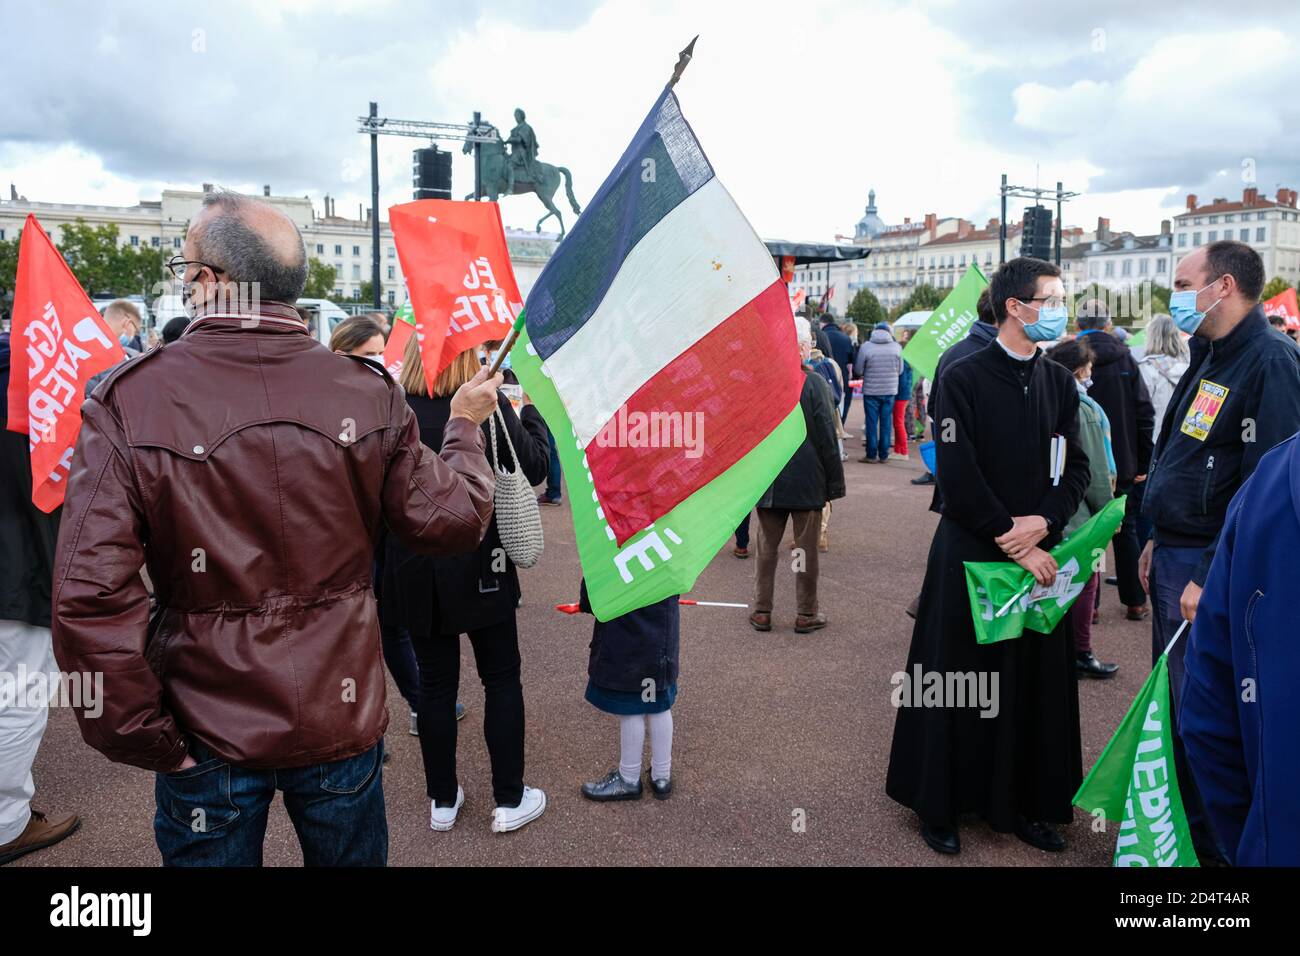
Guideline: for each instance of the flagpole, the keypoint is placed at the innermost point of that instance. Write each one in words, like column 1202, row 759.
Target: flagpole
column 1177, row 634
column 683, row 58
column 508, row 344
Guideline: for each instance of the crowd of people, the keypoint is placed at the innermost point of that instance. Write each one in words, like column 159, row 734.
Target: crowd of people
column 272, row 532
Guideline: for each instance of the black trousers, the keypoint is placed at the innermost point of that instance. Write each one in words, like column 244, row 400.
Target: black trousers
column 1128, row 548
column 496, row 655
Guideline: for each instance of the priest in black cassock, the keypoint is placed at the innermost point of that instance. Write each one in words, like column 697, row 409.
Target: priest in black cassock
column 1016, row 763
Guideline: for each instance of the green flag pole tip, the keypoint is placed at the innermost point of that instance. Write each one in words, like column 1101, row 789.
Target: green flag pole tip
column 509, row 343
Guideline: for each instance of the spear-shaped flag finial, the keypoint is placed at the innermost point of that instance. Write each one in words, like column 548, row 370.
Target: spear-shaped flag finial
column 683, row 58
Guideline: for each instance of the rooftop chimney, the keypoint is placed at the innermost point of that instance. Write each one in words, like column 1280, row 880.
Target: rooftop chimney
column 1164, row 227
column 931, row 223
column 907, row 220
column 994, row 223
column 1103, row 228
column 207, row 187
column 1283, row 194
column 963, row 228
column 1191, row 201
column 1294, row 197
column 266, row 190
column 1249, row 195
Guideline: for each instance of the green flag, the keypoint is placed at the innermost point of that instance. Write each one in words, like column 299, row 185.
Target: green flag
column 947, row 325
column 666, row 557
column 1134, row 783
column 1005, row 599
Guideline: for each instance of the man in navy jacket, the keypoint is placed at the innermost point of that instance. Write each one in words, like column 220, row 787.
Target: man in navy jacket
column 1240, row 713
column 1239, row 398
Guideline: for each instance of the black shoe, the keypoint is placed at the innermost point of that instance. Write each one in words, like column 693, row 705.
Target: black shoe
column 926, row 479
column 1044, row 836
column 1087, row 665
column 660, row 789
column 612, row 786
column 1112, row 580
column 941, row 839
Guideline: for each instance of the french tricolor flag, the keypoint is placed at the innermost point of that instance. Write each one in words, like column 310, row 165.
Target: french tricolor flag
column 664, row 325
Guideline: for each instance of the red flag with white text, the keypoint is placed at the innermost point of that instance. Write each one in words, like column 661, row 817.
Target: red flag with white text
column 458, row 274
column 67, row 343
column 1284, row 304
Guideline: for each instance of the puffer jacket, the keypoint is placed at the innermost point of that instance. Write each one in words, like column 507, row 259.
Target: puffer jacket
column 879, row 364
column 249, row 469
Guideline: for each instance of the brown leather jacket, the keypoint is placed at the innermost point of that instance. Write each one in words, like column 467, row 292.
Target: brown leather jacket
column 249, row 468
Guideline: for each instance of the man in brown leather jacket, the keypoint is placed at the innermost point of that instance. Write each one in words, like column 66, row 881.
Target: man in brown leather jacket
column 248, row 468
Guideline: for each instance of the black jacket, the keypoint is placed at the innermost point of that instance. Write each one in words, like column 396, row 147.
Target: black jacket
column 1118, row 387
column 639, row 645
column 454, row 595
column 997, row 465
column 814, row 474
column 27, row 534
column 841, row 352
column 1205, row 454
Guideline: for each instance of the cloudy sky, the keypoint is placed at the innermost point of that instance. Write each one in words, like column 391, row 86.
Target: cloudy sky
column 802, row 107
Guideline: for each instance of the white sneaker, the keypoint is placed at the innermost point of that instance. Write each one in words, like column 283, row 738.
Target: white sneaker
column 444, row 818
column 415, row 729
column 505, row 819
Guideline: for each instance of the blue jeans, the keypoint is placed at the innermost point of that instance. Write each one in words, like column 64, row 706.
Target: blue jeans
column 1171, row 571
column 553, row 475
column 214, row 814
column 879, row 432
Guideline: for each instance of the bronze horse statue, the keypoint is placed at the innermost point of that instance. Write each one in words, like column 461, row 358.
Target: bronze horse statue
column 495, row 180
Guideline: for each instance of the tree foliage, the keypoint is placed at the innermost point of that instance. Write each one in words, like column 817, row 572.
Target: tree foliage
column 320, row 280
column 865, row 311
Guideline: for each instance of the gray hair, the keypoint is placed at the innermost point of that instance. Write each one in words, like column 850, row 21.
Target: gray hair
column 246, row 256
column 1092, row 314
column 802, row 330
column 1163, row 338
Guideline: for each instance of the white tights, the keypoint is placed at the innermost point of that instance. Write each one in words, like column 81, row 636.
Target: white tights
column 631, row 733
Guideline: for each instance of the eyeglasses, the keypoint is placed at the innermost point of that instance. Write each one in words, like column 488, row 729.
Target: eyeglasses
column 1051, row 301
column 178, row 264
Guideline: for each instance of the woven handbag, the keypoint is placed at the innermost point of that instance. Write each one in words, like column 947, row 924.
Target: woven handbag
column 519, row 521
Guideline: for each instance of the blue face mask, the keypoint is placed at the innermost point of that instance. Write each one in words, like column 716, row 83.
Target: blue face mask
column 1050, row 325
column 124, row 340
column 1183, row 310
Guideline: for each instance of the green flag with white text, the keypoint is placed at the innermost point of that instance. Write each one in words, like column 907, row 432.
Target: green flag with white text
column 947, row 325
column 1004, row 598
column 1135, row 785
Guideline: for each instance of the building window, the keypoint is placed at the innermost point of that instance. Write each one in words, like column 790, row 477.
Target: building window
column 338, row 250
column 391, row 252
column 320, row 248
column 1110, row 269
column 390, row 273
column 155, row 241
column 391, row 295
column 1259, row 216
column 176, row 242
column 1198, row 220
column 1160, row 265
column 1144, row 266
column 356, row 271
column 1244, row 235
column 356, row 250
column 1126, row 267
column 135, row 240
column 1259, row 234
column 1182, row 239
column 1229, row 218
column 1093, row 269
column 1213, row 220
column 1214, row 235
column 338, row 293
column 1196, row 238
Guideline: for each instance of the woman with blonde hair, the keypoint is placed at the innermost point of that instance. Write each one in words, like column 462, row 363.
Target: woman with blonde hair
column 437, row 599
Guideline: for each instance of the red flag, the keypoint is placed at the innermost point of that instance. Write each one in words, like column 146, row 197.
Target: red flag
column 67, row 343
column 458, row 273
column 395, row 349
column 787, row 269
column 1284, row 304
